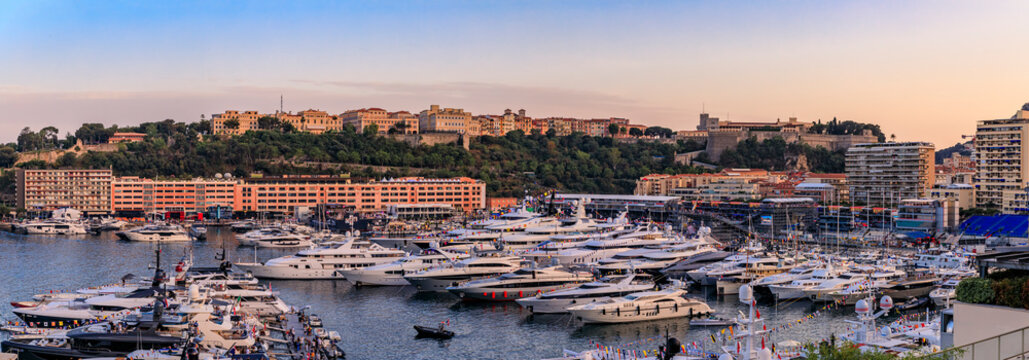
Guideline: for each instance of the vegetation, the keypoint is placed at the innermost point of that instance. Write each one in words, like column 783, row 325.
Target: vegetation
column 960, row 148
column 836, row 127
column 509, row 164
column 975, row 291
column 1007, row 288
column 775, row 154
column 850, row 351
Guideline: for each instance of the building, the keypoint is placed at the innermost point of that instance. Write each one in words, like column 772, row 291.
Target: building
column 738, row 189
column 657, row 208
column 883, row 174
column 962, row 194
column 437, row 119
column 723, row 135
column 287, row 194
column 958, row 161
column 838, row 182
column 125, row 137
column 401, row 122
column 312, row 121
column 135, row 197
column 245, row 121
column 946, row 175
column 88, row 191
column 925, row 217
column 1000, row 149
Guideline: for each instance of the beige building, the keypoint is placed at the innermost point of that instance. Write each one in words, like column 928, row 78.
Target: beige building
column 883, row 174
column 247, row 121
column 725, row 189
column 88, row 191
column 437, row 119
column 402, row 121
column 1000, row 149
column 312, row 121
column 963, row 194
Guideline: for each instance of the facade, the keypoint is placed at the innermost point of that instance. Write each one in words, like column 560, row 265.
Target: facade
column 88, row 191
column 286, row 194
column 402, row 121
column 838, row 182
column 1000, row 151
column 125, row 137
column 437, row 119
column 721, row 190
column 926, row 216
column 133, row 196
column 959, row 161
column 247, row 121
column 962, row 194
column 312, row 121
column 883, row 174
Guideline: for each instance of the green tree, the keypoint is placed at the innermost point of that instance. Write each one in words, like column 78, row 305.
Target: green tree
column 231, row 124
column 371, row 130
column 268, row 123
column 635, row 132
column 612, row 129
column 8, row 156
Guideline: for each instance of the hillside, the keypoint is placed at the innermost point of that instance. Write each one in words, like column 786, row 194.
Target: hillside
column 960, row 148
column 510, row 164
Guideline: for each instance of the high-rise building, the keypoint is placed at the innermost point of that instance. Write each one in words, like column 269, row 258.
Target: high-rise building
column 886, row 173
column 1000, row 151
column 88, row 191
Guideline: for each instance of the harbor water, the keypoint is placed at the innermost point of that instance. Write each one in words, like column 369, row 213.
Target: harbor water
column 376, row 322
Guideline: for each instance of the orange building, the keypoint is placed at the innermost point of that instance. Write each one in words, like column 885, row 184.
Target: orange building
column 403, row 121
column 140, row 196
column 285, row 194
column 125, row 137
column 247, row 121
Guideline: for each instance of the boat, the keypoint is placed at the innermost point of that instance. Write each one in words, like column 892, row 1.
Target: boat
column 392, row 274
column 712, row 321
column 556, row 302
column 919, row 287
column 323, row 262
column 274, row 238
column 433, row 332
column 642, row 306
column 946, row 292
column 198, row 232
column 52, row 227
column 914, row 303
column 439, row 277
column 796, row 288
column 156, row 233
column 520, row 283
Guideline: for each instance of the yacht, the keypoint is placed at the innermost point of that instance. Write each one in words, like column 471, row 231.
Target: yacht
column 944, row 295
column 946, row 260
column 440, row 277
column 736, row 265
column 905, row 289
column 682, row 267
column 108, row 339
column 273, row 238
column 796, row 289
column 533, row 236
column 156, row 233
column 324, row 262
column 258, row 302
column 81, row 310
column 641, row 306
column 822, row 291
column 877, row 280
column 729, row 285
column 392, row 274
column 796, row 273
column 558, row 301
column 52, row 227
column 598, row 249
column 520, row 283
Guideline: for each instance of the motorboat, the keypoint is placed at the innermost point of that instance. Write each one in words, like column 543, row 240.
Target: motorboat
column 259, row 302
column 520, row 283
column 556, row 302
column 198, row 232
column 909, row 288
column 796, row 289
column 274, row 238
column 324, row 262
column 712, row 321
column 642, row 306
column 439, row 277
column 874, row 282
column 81, row 310
column 680, row 268
column 392, row 274
column 752, row 271
column 156, row 233
column 433, row 332
column 944, row 295
column 52, row 227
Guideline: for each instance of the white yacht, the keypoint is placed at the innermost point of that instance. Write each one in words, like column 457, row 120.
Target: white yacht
column 520, row 283
column 78, row 311
column 556, row 302
column 392, row 274
column 853, row 292
column 598, row 249
column 257, row 302
column 440, row 277
column 946, row 260
column 274, row 238
column 734, row 266
column 543, row 232
column 944, row 295
column 796, row 288
column 821, row 291
column 641, row 306
column 796, row 273
column 156, row 233
column 52, row 227
column 324, row 262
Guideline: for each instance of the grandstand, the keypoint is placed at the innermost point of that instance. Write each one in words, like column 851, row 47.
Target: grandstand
column 980, row 229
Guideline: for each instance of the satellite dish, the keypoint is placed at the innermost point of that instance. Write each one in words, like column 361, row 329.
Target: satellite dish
column 861, row 307
column 886, row 303
column 746, row 294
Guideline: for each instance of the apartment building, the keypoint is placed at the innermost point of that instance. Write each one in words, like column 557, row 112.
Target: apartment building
column 312, row 121
column 402, row 121
column 247, row 120
column 285, row 194
column 133, row 196
column 437, row 119
column 1000, row 151
column 884, row 174
column 88, row 191
column 962, row 194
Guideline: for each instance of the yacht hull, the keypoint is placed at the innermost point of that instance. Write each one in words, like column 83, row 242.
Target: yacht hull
column 288, row 273
column 603, row 316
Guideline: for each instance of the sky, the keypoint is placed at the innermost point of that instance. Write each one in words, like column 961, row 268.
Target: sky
column 925, row 70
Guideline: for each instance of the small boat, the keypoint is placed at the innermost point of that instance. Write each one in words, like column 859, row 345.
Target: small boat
column 24, row 304
column 314, row 321
column 433, row 332
column 914, row 303
column 711, row 321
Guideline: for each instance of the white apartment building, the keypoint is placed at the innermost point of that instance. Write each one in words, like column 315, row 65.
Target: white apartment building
column 1000, row 151
column 883, row 174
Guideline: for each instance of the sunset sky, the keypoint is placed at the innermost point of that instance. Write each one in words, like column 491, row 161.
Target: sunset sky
column 922, row 70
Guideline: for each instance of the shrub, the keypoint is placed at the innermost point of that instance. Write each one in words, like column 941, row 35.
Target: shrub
column 975, row 291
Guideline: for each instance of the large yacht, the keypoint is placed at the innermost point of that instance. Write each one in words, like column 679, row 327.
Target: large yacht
column 944, row 295
column 439, row 277
column 796, row 289
column 52, row 227
column 641, row 306
column 520, row 283
column 80, row 310
column 324, row 262
column 392, row 274
column 274, row 237
column 156, row 233
column 597, row 249
column 556, row 302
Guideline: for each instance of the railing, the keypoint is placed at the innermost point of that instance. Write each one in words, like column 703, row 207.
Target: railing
column 1013, row 345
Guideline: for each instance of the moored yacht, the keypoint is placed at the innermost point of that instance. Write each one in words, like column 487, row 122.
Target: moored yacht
column 796, row 289
column 392, row 274
column 52, row 227
column 558, row 301
column 156, row 233
column 641, row 306
column 440, row 277
column 274, row 238
column 324, row 262
column 520, row 283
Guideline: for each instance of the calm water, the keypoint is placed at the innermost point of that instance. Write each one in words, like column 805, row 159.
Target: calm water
column 375, row 322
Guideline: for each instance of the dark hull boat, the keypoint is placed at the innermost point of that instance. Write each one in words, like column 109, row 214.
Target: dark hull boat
column 433, row 332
